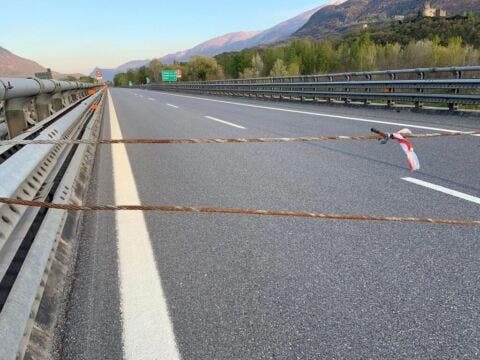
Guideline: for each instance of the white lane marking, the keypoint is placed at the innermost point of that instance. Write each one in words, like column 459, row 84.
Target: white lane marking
column 444, row 190
column 173, row 106
column 141, row 96
column 225, row 122
column 316, row 114
column 151, row 99
column 147, row 329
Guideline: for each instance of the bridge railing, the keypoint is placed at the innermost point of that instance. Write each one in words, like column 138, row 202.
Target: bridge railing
column 452, row 86
column 29, row 237
column 25, row 102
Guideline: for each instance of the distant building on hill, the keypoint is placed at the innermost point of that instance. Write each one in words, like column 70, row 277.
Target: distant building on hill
column 429, row 11
column 44, row 75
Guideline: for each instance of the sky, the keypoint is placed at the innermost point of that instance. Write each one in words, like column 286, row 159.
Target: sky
column 75, row 36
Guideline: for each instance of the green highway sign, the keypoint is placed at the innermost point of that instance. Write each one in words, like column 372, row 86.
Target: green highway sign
column 169, row 75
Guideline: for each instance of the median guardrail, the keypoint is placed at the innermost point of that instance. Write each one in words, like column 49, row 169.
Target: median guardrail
column 452, row 86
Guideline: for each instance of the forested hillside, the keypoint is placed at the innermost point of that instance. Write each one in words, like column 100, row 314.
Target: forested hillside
column 414, row 42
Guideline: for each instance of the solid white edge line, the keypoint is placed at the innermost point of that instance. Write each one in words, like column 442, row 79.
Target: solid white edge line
column 225, row 122
column 147, row 328
column 173, row 106
column 444, row 190
column 314, row 113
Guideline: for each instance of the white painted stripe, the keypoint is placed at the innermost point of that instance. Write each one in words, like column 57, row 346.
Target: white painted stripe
column 173, row 106
column 316, row 114
column 141, row 96
column 151, row 99
column 147, row 329
column 444, row 190
column 225, row 122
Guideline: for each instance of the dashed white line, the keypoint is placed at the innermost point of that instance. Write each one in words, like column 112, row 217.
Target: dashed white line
column 173, row 106
column 151, row 99
column 316, row 114
column 147, row 329
column 444, row 190
column 225, row 122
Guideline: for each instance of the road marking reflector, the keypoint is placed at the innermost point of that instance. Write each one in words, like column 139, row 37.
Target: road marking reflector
column 225, row 122
column 444, row 190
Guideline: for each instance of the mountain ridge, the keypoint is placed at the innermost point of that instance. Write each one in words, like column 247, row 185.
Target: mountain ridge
column 228, row 42
column 338, row 19
column 12, row 65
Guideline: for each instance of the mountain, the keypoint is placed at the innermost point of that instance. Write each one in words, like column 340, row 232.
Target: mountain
column 229, row 42
column 242, row 40
column 108, row 74
column 12, row 65
column 338, row 19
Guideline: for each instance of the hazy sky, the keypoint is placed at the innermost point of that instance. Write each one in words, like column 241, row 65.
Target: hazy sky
column 75, row 36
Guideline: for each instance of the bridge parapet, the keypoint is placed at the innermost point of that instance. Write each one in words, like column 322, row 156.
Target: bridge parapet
column 25, row 102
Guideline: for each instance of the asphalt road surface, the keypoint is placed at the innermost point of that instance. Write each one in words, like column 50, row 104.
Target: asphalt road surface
column 214, row 286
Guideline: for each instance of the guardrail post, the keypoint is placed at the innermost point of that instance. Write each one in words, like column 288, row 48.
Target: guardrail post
column 347, row 99
column 367, row 90
column 454, row 106
column 418, row 103
column 391, row 103
column 19, row 114
column 57, row 102
column 44, row 106
column 330, row 89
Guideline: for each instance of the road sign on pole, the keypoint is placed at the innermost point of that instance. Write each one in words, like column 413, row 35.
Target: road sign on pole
column 169, row 75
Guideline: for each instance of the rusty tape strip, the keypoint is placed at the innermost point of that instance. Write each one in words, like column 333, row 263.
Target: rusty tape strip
column 193, row 209
column 230, row 140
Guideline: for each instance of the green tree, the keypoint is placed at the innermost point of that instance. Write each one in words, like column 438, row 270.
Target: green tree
column 257, row 65
column 279, row 69
column 203, row 68
column 249, row 73
column 156, row 67
column 120, row 79
column 293, row 69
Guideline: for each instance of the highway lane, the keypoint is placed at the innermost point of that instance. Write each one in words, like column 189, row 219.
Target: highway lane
column 240, row 287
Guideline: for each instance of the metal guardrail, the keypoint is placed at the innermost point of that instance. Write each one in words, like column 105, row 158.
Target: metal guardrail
column 25, row 102
column 415, row 86
column 419, row 73
column 28, row 237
